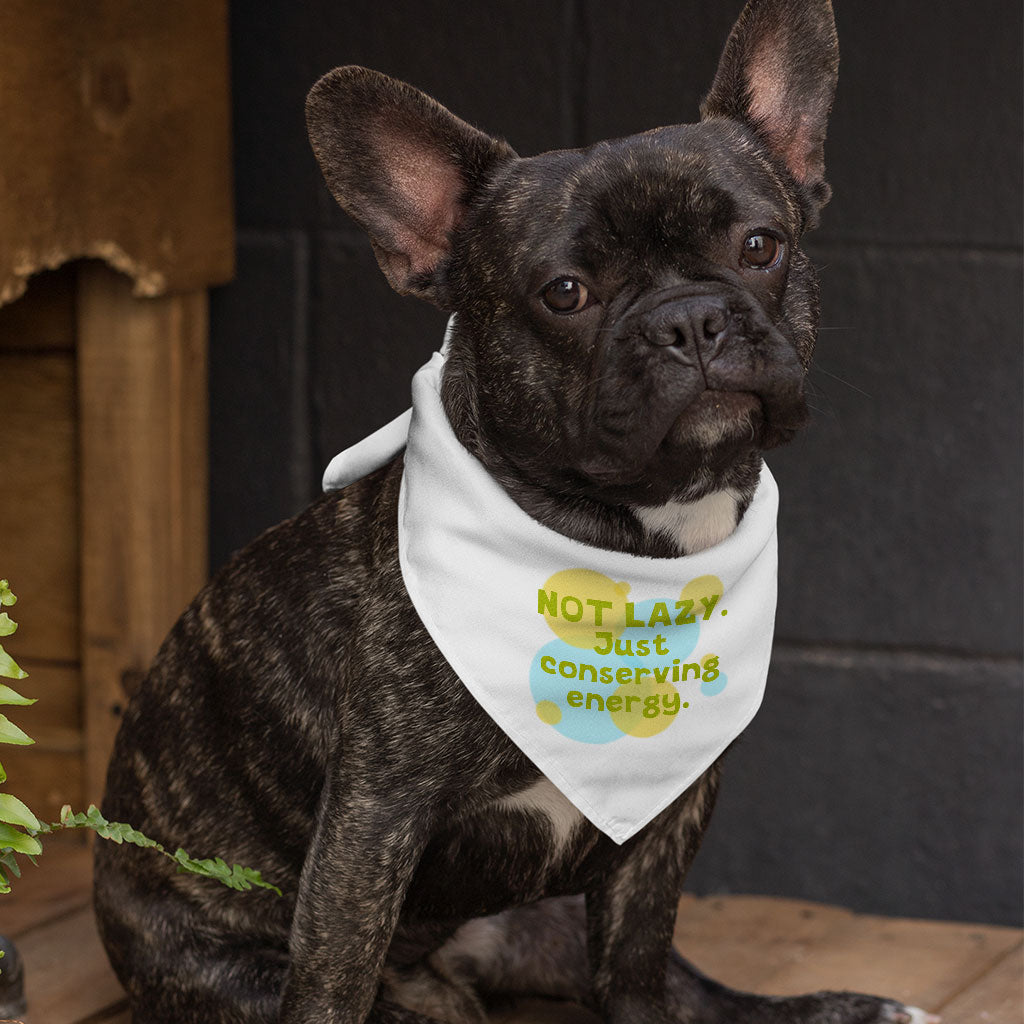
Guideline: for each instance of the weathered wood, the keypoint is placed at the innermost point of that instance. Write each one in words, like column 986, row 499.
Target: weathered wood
column 39, row 540
column 45, row 779
column 58, row 885
column 978, row 964
column 996, row 997
column 919, row 962
column 743, row 940
column 142, row 400
column 44, row 317
column 115, row 141
column 67, row 977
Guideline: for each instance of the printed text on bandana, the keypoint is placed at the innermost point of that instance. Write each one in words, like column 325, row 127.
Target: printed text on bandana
column 618, row 667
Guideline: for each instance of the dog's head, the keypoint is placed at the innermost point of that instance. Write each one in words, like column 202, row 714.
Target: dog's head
column 634, row 319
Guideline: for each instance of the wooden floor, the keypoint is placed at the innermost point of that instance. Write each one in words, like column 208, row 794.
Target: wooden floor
column 971, row 974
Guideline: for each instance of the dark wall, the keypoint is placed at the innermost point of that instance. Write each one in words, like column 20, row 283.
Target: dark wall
column 884, row 770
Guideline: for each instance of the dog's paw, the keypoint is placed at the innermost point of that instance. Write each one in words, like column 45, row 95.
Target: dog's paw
column 912, row 1015
column 849, row 1008
column 837, row 1008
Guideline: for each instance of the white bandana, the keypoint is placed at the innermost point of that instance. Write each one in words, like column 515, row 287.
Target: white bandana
column 622, row 678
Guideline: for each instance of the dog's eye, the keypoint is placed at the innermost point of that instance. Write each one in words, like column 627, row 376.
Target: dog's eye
column 566, row 295
column 761, row 250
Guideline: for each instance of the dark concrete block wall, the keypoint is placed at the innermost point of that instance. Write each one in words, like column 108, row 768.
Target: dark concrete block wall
column 884, row 771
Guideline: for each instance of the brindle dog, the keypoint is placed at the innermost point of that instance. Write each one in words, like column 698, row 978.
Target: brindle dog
column 635, row 322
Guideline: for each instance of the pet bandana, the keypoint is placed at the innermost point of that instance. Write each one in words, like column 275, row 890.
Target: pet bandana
column 622, row 678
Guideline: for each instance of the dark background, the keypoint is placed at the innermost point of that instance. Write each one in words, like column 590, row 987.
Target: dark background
column 884, row 770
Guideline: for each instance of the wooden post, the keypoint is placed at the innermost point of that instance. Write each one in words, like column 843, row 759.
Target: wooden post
column 143, row 405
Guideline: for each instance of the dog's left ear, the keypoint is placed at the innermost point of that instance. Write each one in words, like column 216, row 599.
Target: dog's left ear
column 778, row 75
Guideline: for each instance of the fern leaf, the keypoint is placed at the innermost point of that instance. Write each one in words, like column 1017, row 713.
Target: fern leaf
column 10, row 733
column 9, row 696
column 14, row 839
column 14, row 811
column 9, row 667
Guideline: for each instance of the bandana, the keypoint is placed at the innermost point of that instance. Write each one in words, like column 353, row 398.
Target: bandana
column 621, row 677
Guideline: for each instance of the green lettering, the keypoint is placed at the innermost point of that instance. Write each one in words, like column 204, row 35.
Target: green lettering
column 709, row 605
column 547, row 602
column 605, row 638
column 591, row 697
column 684, row 618
column 671, row 702
column 614, row 703
column 599, row 607
column 631, row 619
column 547, row 664
column 574, row 699
column 659, row 615
column 577, row 612
column 623, row 675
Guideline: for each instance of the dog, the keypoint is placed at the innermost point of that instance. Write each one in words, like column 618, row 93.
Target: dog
column 634, row 322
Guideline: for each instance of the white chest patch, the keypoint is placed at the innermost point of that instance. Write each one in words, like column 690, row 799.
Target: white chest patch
column 543, row 798
column 693, row 525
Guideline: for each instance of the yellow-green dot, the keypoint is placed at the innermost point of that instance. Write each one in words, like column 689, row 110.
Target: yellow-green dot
column 725, row 611
column 548, row 711
column 686, row 703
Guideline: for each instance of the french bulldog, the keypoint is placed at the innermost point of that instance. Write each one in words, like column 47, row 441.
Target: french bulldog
column 634, row 324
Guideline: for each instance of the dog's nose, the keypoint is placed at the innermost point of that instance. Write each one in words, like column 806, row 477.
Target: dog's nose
column 694, row 326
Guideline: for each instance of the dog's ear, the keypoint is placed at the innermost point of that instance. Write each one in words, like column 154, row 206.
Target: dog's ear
column 402, row 166
column 778, row 74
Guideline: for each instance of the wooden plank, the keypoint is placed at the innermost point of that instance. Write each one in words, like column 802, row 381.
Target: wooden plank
column 123, row 152
column 57, row 688
column 997, row 997
column 58, row 884
column 67, row 976
column 919, row 962
column 743, row 940
column 45, row 779
column 44, row 317
column 39, row 542
column 142, row 396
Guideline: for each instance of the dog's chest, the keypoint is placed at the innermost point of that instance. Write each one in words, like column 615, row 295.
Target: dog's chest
column 517, row 849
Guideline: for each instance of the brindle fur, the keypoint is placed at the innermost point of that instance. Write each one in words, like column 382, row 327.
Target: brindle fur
column 298, row 717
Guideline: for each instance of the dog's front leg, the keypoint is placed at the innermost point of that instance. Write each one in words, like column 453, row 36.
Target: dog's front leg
column 631, row 912
column 368, row 841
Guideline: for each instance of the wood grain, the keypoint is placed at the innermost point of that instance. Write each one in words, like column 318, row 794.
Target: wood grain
column 116, row 141
column 44, row 317
column 39, row 540
column 995, row 997
column 142, row 396
column 980, row 963
column 67, row 977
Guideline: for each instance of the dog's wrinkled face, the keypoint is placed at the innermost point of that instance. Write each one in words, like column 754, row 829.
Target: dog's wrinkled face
column 644, row 315
column 634, row 320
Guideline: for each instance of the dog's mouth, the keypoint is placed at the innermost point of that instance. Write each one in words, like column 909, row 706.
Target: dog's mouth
column 715, row 416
